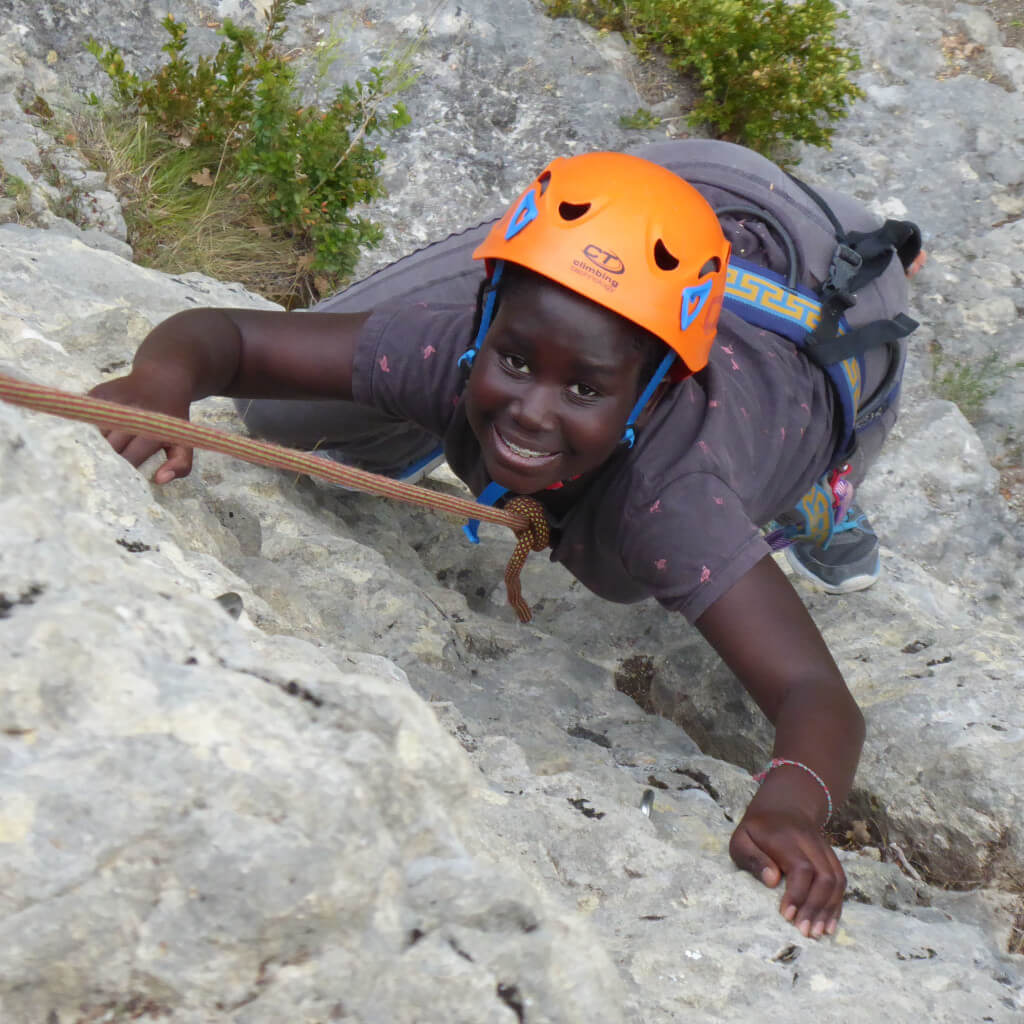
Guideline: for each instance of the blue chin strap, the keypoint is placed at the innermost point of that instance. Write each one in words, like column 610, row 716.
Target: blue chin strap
column 525, row 213
column 486, row 316
column 629, row 434
column 492, row 492
column 692, row 301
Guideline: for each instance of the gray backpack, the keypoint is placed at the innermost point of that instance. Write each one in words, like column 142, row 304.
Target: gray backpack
column 816, row 268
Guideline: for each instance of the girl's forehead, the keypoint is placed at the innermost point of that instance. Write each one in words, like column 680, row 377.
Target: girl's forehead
column 534, row 308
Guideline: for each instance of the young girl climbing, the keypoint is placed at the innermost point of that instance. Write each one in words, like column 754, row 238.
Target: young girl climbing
column 586, row 359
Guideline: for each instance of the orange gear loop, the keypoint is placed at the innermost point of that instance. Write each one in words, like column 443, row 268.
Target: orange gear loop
column 535, row 537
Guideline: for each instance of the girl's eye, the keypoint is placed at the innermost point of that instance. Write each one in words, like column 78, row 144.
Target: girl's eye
column 583, row 391
column 513, row 362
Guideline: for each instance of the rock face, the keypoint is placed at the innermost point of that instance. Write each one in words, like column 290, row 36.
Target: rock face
column 374, row 797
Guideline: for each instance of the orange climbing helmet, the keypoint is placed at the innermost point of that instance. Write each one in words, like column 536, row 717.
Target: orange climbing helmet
column 628, row 235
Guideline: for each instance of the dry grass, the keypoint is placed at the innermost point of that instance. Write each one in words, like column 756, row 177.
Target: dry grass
column 182, row 215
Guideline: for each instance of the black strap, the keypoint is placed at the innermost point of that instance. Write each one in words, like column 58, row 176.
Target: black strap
column 876, row 248
column 903, row 236
column 859, row 258
column 825, row 208
column 856, row 342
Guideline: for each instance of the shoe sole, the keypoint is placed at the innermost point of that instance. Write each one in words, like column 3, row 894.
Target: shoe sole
column 849, row 586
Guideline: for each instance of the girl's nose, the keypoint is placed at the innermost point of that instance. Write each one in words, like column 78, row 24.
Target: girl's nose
column 533, row 410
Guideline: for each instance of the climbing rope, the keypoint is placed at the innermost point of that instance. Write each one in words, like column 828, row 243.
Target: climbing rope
column 534, row 538
column 523, row 516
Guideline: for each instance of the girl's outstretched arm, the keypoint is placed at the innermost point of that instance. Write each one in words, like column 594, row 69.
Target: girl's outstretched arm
column 242, row 353
column 765, row 635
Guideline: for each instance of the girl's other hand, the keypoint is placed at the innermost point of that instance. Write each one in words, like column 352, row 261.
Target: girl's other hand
column 775, row 842
column 157, row 393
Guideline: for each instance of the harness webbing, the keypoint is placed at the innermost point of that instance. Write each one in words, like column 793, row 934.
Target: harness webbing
column 525, row 520
column 762, row 298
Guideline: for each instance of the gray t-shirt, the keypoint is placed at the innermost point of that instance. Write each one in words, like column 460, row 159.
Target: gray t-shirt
column 677, row 516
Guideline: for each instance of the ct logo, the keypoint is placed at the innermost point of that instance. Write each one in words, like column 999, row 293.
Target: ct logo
column 607, row 261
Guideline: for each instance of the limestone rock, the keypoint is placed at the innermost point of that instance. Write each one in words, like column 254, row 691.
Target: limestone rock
column 374, row 796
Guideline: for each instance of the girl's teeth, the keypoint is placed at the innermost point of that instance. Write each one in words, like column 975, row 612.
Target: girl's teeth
column 526, row 453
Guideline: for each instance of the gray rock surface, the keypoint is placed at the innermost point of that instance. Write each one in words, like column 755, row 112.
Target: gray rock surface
column 375, row 796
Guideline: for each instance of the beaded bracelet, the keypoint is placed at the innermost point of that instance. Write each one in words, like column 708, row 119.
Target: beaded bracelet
column 781, row 762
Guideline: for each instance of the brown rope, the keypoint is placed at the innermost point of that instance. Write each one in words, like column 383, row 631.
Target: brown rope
column 160, row 427
column 534, row 538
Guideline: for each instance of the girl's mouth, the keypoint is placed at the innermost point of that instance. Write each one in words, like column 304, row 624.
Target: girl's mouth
column 519, row 454
column 526, row 453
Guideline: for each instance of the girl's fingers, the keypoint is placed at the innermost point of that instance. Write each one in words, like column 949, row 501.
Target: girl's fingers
column 178, row 464
column 139, row 449
column 748, row 856
column 821, row 901
column 118, row 439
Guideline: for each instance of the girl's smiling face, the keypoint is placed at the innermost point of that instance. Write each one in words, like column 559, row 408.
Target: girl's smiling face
column 552, row 385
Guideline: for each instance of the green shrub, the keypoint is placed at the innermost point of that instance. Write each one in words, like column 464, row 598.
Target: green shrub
column 641, row 120
column 970, row 385
column 231, row 133
column 770, row 71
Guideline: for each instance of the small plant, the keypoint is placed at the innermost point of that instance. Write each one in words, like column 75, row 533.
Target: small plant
column 226, row 146
column 969, row 386
column 770, row 71
column 642, row 120
column 1016, row 943
column 14, row 188
column 69, row 195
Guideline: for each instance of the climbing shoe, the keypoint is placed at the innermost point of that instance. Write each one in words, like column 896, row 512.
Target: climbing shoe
column 848, row 562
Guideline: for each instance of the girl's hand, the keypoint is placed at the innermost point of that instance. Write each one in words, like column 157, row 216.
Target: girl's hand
column 776, row 839
column 765, row 635
column 240, row 353
column 158, row 392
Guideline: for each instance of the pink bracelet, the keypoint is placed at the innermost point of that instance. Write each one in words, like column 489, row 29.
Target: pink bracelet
column 781, row 762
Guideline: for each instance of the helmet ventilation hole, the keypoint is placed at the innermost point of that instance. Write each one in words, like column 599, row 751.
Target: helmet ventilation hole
column 572, row 211
column 544, row 180
column 713, row 266
column 664, row 259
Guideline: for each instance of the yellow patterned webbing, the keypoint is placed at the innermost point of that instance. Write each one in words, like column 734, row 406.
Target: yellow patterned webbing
column 195, row 435
column 534, row 537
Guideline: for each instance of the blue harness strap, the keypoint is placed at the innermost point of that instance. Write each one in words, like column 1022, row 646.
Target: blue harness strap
column 761, row 297
column 488, row 496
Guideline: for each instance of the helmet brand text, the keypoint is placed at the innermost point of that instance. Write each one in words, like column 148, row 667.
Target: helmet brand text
column 607, row 261
column 601, row 267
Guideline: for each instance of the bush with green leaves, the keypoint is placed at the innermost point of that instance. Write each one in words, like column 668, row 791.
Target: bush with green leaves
column 770, row 71
column 233, row 130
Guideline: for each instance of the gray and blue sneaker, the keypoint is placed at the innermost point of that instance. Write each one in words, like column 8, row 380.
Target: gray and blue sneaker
column 847, row 563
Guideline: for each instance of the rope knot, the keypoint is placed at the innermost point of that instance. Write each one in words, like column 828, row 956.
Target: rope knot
column 534, row 537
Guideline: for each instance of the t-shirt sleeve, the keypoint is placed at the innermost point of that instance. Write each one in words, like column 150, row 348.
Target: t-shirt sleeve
column 406, row 362
column 691, row 543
